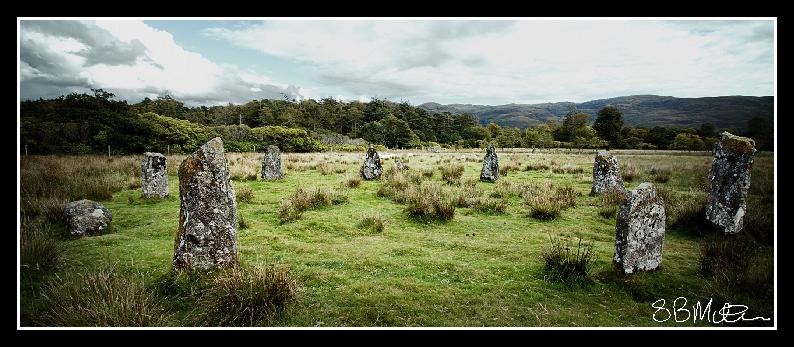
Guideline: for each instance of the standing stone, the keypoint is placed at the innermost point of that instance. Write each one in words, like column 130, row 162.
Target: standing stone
column 490, row 165
column 639, row 231
column 271, row 164
column 154, row 175
column 606, row 174
column 399, row 164
column 207, row 235
column 729, row 181
column 86, row 217
column 372, row 167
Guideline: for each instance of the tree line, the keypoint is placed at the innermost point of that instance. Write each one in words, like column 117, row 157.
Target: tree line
column 86, row 123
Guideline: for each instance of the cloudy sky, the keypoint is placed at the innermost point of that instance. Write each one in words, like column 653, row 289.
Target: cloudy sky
column 491, row 62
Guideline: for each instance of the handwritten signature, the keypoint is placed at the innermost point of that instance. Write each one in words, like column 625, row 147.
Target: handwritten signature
column 728, row 313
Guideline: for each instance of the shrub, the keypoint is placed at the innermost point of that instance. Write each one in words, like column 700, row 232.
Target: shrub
column 429, row 201
column 503, row 189
column 609, row 202
column 567, row 169
column 301, row 200
column 246, row 297
column 427, row 173
column 660, row 175
column 40, row 253
column 451, row 173
column 134, row 183
column 546, row 202
column 487, row 205
column 759, row 220
column 245, row 194
column 466, row 195
column 102, row 298
column 242, row 222
column 375, row 222
column 739, row 271
column 685, row 211
column 353, row 181
column 629, row 173
column 505, row 169
column 533, row 166
column 562, row 265
column 50, row 208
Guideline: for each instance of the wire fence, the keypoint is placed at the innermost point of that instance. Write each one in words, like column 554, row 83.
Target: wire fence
column 109, row 150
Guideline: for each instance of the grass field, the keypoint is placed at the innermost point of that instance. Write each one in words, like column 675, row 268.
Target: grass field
column 480, row 268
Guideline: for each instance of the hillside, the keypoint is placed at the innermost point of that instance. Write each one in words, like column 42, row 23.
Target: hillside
column 638, row 110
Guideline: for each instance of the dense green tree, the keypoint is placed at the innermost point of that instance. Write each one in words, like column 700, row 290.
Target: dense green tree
column 372, row 132
column 608, row 126
column 687, row 141
column 762, row 131
column 707, row 130
column 396, row 132
column 572, row 125
column 494, row 130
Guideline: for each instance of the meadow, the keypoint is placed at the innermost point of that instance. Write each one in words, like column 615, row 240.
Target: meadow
column 431, row 245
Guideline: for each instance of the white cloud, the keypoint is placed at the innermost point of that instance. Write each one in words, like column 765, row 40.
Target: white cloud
column 524, row 61
column 154, row 64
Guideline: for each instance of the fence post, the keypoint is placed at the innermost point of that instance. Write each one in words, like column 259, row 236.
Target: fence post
column 108, row 151
column 169, row 149
column 26, row 150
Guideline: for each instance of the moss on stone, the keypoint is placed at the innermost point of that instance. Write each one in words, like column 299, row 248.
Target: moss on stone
column 737, row 144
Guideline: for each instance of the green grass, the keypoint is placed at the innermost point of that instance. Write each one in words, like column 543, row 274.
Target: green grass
column 476, row 269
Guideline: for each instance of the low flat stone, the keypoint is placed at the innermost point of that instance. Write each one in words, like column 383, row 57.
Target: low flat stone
column 87, row 217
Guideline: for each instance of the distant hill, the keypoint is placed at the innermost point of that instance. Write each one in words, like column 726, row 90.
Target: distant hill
column 638, row 110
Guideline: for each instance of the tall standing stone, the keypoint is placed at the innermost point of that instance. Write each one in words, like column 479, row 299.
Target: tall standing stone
column 271, row 164
column 606, row 174
column 154, row 175
column 639, row 231
column 207, row 235
column 729, row 181
column 372, row 166
column 490, row 165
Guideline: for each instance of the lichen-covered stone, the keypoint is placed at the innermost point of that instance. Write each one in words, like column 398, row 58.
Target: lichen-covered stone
column 606, row 174
column 271, row 164
column 372, row 168
column 154, row 175
column 86, row 217
column 729, row 181
column 639, row 231
column 398, row 164
column 207, row 235
column 490, row 165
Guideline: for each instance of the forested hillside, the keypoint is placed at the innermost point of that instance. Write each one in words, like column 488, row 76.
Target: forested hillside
column 89, row 123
